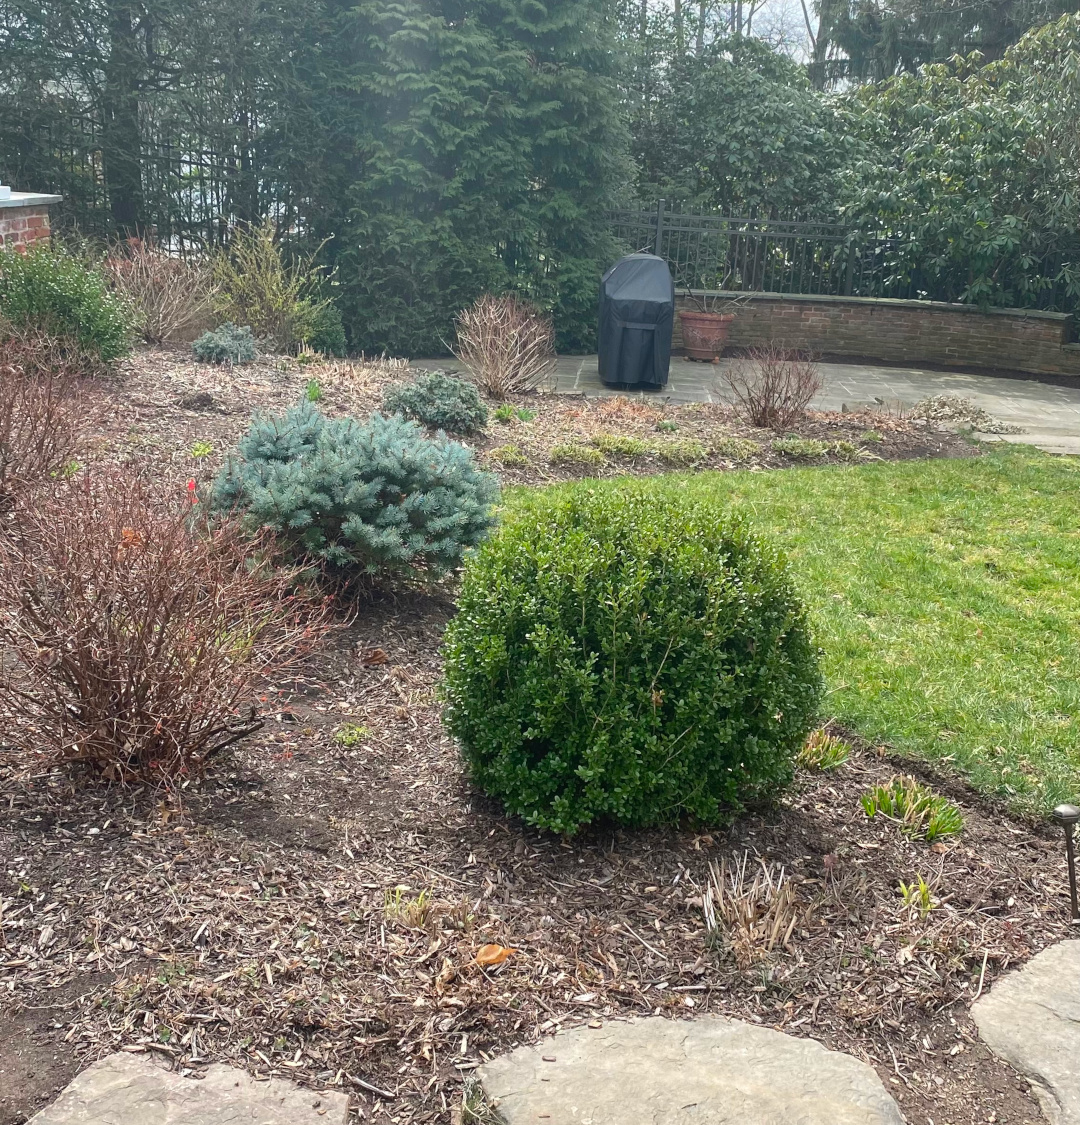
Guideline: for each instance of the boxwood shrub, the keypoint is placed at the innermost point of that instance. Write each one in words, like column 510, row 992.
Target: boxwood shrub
column 618, row 656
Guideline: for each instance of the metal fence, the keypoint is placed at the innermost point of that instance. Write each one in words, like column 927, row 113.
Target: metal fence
column 709, row 251
column 192, row 193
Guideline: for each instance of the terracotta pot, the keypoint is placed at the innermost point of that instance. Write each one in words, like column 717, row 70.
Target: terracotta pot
column 704, row 334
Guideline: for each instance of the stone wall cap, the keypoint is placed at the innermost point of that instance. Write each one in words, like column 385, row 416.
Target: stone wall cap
column 884, row 302
column 28, row 199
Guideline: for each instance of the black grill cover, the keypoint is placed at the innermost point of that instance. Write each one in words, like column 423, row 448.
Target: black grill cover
column 637, row 313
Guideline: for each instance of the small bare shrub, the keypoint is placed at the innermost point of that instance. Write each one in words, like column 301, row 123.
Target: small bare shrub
column 773, row 386
column 258, row 285
column 751, row 918
column 507, row 345
column 41, row 408
column 169, row 296
column 135, row 641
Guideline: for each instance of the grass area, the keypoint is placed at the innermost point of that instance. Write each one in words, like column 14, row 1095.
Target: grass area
column 946, row 597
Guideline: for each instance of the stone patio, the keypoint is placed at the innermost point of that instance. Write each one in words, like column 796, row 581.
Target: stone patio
column 1031, row 1019
column 1049, row 413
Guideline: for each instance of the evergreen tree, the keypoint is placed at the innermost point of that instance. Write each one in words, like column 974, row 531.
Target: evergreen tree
column 739, row 130
column 870, row 40
column 493, row 149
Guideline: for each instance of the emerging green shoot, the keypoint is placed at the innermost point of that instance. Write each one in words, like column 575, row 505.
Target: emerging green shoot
column 823, row 751
column 350, row 735
column 411, row 913
column 916, row 808
column 917, row 897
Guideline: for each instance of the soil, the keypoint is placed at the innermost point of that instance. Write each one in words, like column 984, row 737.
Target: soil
column 315, row 906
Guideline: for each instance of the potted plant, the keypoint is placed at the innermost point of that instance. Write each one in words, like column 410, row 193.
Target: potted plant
column 705, row 326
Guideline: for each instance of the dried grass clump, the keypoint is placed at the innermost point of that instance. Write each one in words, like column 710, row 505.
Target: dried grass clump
column 507, row 345
column 619, row 408
column 750, row 918
column 42, row 411
column 771, row 387
column 168, row 295
column 135, row 641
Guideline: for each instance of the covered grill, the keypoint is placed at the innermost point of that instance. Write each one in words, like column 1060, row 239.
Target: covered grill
column 637, row 313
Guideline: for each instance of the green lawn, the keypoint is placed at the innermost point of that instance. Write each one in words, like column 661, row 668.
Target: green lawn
column 946, row 597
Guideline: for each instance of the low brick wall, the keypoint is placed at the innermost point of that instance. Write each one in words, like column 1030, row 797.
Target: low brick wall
column 24, row 218
column 909, row 332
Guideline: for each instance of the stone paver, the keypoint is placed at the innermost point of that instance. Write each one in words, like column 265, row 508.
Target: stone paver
column 1031, row 1019
column 1048, row 413
column 708, row 1071
column 126, row 1089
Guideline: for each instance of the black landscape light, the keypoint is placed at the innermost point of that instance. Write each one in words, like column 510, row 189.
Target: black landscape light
column 1067, row 816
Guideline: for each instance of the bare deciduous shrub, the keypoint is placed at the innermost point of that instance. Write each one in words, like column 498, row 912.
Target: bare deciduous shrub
column 507, row 345
column 751, row 918
column 258, row 285
column 773, row 386
column 133, row 641
column 169, row 296
column 41, row 408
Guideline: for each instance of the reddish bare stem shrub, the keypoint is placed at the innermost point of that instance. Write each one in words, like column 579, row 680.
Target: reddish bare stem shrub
column 772, row 386
column 507, row 345
column 169, row 295
column 42, row 409
column 133, row 639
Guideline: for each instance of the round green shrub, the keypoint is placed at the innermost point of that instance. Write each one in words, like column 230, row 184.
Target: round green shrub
column 326, row 333
column 440, row 401
column 61, row 293
column 363, row 500
column 618, row 656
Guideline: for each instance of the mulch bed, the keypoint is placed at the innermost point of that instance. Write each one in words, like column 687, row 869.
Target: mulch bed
column 314, row 909
column 162, row 403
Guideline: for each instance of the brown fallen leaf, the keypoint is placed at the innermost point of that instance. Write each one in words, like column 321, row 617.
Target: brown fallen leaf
column 488, row 955
column 375, row 656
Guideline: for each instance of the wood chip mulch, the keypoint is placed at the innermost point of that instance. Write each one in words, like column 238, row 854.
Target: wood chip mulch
column 315, row 907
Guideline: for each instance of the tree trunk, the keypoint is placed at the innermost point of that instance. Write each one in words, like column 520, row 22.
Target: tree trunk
column 699, row 47
column 680, row 29
column 822, row 42
column 121, row 139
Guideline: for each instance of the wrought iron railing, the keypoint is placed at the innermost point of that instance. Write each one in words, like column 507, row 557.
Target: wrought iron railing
column 192, row 193
column 709, row 251
column 754, row 254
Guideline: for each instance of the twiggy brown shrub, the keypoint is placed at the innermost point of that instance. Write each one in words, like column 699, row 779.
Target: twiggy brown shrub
column 168, row 295
column 772, row 386
column 507, row 345
column 134, row 636
column 42, row 409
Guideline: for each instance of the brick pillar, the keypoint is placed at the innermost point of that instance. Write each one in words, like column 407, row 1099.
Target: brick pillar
column 24, row 217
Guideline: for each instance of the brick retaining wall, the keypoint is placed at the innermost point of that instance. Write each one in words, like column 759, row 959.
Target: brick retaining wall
column 910, row 332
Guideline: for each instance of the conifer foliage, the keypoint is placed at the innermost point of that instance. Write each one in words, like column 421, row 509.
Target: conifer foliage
column 497, row 148
column 365, row 501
